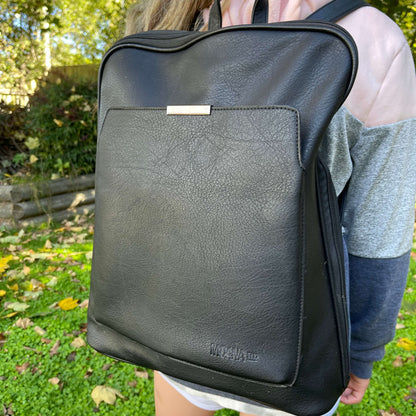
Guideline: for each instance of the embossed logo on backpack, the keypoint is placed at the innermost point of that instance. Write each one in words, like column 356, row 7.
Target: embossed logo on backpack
column 232, row 353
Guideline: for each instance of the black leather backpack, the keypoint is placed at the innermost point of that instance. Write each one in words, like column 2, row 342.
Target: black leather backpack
column 218, row 256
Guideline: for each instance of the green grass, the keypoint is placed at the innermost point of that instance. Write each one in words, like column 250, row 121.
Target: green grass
column 43, row 374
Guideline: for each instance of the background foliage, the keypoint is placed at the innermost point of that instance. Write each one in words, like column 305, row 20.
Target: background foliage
column 61, row 128
column 73, row 31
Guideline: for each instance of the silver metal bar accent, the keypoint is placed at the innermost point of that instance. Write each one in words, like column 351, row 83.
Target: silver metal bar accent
column 188, row 110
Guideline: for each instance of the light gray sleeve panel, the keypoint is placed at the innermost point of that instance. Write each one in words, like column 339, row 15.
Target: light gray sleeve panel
column 378, row 213
column 341, row 135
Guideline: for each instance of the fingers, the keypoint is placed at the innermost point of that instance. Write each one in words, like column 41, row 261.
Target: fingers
column 355, row 391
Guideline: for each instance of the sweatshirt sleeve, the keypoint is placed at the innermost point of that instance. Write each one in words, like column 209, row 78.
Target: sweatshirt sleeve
column 370, row 149
column 379, row 165
column 378, row 220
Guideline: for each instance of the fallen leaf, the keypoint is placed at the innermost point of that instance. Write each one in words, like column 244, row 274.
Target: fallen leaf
column 14, row 287
column 406, row 344
column 384, row 413
column 35, row 370
column 84, row 304
column 26, row 270
column 39, row 330
column 48, row 245
column 31, row 349
column 32, row 256
column 27, row 295
column 132, row 383
column 52, row 282
column 23, row 323
column 398, row 362
column 2, row 293
column 33, row 159
column 22, row 368
column 2, row 339
column 9, row 315
column 17, row 306
column 105, row 394
column 88, row 373
column 37, row 285
column 71, row 356
column 412, row 395
column 400, row 326
column 8, row 411
column 59, row 123
column 68, row 304
column 141, row 373
column 54, row 350
column 54, row 380
column 78, row 343
column 12, row 248
column 4, row 263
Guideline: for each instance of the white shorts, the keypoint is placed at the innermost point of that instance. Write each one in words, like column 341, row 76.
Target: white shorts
column 213, row 402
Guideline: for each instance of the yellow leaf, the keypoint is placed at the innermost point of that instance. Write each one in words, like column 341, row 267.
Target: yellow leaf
column 406, row 344
column 68, row 304
column 26, row 286
column 14, row 287
column 105, row 394
column 9, row 315
column 3, row 263
column 2, row 293
column 59, row 123
column 33, row 159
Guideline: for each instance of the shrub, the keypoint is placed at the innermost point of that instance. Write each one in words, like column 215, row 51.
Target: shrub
column 12, row 148
column 61, row 128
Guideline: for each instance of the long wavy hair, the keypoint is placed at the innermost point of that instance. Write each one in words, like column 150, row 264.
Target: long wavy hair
column 168, row 15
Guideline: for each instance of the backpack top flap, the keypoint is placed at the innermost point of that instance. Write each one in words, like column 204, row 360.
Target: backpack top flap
column 308, row 66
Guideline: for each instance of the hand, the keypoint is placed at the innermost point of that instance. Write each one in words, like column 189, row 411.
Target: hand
column 355, row 391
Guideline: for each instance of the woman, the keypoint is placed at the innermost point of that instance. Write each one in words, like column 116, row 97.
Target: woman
column 370, row 146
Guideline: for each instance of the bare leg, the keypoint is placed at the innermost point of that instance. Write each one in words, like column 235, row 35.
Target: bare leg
column 245, row 414
column 169, row 402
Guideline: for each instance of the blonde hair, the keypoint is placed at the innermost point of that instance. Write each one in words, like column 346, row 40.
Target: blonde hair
column 168, row 15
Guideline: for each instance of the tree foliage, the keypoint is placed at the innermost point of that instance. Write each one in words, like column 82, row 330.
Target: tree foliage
column 74, row 31
column 22, row 24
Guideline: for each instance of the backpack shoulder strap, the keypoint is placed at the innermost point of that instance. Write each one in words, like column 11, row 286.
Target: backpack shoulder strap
column 336, row 9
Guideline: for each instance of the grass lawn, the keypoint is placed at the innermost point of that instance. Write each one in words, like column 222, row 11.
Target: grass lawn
column 46, row 368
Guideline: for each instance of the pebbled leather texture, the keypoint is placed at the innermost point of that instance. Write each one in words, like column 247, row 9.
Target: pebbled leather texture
column 214, row 256
column 210, row 200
